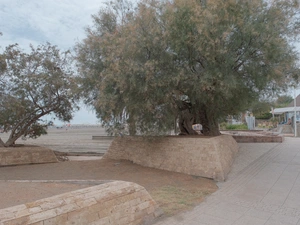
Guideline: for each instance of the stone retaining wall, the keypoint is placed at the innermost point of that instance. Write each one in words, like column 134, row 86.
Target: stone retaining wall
column 117, row 202
column 258, row 139
column 26, row 155
column 209, row 157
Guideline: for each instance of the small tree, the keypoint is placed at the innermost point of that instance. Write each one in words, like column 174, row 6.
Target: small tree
column 262, row 108
column 197, row 61
column 283, row 100
column 33, row 85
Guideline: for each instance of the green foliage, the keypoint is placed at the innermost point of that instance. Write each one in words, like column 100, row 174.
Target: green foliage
column 283, row 100
column 236, row 127
column 269, row 124
column 261, row 108
column 33, row 85
column 264, row 116
column 138, row 64
column 36, row 130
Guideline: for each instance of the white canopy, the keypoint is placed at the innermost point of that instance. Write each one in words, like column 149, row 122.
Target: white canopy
column 286, row 109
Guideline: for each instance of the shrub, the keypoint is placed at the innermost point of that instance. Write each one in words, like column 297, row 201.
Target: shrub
column 264, row 116
column 236, row 127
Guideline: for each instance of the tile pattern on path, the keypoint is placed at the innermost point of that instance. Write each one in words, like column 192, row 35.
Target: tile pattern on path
column 263, row 188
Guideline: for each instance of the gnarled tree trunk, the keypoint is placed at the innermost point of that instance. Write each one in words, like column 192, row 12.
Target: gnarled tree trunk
column 186, row 120
column 210, row 125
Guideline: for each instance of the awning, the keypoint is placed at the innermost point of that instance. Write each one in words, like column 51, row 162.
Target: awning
column 286, row 109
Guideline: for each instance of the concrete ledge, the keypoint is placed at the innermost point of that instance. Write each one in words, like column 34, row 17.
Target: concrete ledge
column 258, row 139
column 116, row 202
column 285, row 129
column 26, row 155
column 210, row 157
column 103, row 138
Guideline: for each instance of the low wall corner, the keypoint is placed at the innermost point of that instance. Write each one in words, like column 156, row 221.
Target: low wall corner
column 210, row 157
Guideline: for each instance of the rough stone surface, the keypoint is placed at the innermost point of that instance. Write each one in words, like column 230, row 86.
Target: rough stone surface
column 209, row 157
column 26, row 155
column 258, row 139
column 116, row 202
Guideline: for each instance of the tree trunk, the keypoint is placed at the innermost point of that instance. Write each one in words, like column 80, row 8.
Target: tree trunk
column 209, row 122
column 10, row 143
column 13, row 137
column 186, row 121
column 210, row 125
column 131, row 126
column 2, row 143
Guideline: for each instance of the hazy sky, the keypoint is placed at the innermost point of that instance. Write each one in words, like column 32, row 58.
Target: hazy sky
column 60, row 22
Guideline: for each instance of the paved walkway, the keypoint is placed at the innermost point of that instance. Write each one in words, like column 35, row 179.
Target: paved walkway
column 265, row 191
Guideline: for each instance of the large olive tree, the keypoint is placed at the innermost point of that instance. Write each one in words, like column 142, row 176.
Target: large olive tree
column 33, row 85
column 147, row 65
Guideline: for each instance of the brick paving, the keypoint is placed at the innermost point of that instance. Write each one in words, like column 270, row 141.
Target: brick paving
column 263, row 188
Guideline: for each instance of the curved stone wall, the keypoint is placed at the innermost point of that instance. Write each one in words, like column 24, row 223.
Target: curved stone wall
column 210, row 157
column 26, row 155
column 116, row 202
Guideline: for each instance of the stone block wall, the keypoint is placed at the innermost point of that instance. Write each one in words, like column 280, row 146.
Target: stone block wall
column 26, row 155
column 117, row 202
column 258, row 139
column 210, row 157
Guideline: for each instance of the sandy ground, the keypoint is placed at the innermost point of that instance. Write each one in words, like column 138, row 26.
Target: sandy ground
column 74, row 139
column 26, row 183
column 73, row 175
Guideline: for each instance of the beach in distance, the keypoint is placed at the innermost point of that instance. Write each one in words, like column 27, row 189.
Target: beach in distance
column 70, row 139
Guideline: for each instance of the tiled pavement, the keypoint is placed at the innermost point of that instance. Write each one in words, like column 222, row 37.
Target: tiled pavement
column 263, row 188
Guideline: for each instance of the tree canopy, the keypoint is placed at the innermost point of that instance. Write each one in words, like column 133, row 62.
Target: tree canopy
column 33, row 85
column 147, row 65
column 283, row 100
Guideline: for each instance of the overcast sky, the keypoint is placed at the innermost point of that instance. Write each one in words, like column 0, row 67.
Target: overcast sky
column 60, row 22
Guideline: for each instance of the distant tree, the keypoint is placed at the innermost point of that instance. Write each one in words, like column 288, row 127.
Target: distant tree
column 33, row 85
column 283, row 101
column 192, row 61
column 261, row 109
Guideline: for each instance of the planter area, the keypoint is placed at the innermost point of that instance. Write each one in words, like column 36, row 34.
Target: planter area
column 20, row 155
column 209, row 157
column 116, row 202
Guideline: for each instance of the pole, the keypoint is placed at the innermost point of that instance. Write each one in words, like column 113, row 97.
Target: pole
column 295, row 111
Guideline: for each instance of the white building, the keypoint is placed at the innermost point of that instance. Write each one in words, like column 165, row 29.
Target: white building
column 289, row 111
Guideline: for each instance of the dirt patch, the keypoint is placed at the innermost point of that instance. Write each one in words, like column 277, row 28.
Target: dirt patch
column 174, row 192
column 174, row 199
